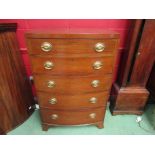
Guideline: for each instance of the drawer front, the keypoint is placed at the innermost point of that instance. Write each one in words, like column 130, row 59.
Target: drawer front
column 72, row 117
column 72, row 84
column 76, row 65
column 70, row 46
column 56, row 101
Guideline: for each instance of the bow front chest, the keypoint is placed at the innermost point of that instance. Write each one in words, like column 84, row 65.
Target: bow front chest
column 72, row 72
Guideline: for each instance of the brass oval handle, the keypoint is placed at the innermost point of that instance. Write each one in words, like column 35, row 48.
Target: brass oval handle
column 95, row 83
column 99, row 47
column 52, row 100
column 51, row 84
column 48, row 65
column 97, row 65
column 46, row 46
column 54, row 116
column 92, row 115
column 93, row 100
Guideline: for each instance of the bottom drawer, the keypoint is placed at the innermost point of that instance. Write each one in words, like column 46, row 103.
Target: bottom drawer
column 72, row 117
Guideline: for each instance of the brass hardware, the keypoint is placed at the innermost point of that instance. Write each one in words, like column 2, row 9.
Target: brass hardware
column 93, row 100
column 92, row 115
column 48, row 65
column 52, row 100
column 99, row 47
column 51, row 84
column 97, row 65
column 54, row 116
column 46, row 46
column 95, row 83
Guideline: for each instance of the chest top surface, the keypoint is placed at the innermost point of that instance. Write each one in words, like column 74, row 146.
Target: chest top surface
column 72, row 33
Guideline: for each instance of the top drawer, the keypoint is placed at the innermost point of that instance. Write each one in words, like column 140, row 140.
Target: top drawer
column 71, row 46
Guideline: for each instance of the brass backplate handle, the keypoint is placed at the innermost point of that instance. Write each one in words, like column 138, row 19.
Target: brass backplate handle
column 46, row 46
column 54, row 116
column 99, row 47
column 95, row 83
column 92, row 115
column 97, row 65
column 93, row 100
column 48, row 65
column 53, row 100
column 51, row 84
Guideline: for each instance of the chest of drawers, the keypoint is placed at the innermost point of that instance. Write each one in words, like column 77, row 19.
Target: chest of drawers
column 72, row 72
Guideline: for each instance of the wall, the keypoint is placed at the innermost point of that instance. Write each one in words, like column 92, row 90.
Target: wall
column 121, row 26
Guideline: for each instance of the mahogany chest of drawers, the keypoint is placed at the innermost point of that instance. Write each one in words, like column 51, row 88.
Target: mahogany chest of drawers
column 72, row 72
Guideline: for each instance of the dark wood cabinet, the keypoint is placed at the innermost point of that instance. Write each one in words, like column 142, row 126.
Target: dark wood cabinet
column 129, row 94
column 16, row 99
column 72, row 74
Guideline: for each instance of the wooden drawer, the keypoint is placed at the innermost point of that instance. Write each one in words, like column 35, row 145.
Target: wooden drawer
column 72, row 117
column 72, row 84
column 74, row 65
column 58, row 101
column 71, row 46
